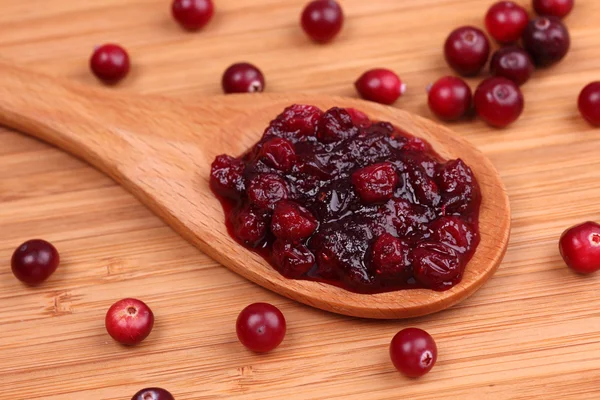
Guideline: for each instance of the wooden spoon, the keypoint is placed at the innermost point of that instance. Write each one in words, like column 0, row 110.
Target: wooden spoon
column 161, row 149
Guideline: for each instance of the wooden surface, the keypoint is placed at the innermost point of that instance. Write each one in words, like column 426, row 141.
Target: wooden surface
column 531, row 332
column 161, row 149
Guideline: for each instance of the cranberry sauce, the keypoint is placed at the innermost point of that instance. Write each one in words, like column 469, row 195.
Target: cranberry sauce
column 333, row 197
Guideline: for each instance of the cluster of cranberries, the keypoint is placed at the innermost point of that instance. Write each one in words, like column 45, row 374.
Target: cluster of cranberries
column 334, row 197
column 498, row 99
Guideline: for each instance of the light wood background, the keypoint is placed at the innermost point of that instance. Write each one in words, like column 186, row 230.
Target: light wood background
column 532, row 332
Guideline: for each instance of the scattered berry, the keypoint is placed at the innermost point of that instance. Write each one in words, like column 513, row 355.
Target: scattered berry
column 498, row 101
column 450, row 98
column 192, row 14
column 555, row 8
column 243, row 78
column 413, row 352
column 34, row 261
column 513, row 63
column 261, row 327
column 580, row 247
column 129, row 321
column 589, row 103
column 505, row 21
column 547, row 40
column 322, row 20
column 380, row 85
column 467, row 50
column 153, row 394
column 110, row 63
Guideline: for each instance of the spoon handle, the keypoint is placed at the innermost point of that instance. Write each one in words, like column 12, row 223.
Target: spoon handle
column 83, row 121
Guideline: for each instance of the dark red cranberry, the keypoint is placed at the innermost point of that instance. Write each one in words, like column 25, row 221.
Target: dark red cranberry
column 454, row 233
column 243, row 78
column 436, row 266
column 458, row 187
column 413, row 352
column 265, row 191
column 505, row 21
column 322, row 20
column 261, row 327
column 467, row 50
column 153, row 394
column 278, row 153
column 589, row 103
column 389, row 257
column 512, row 63
column 375, row 183
column 450, row 98
column 291, row 259
column 498, row 101
column 110, row 63
column 34, row 261
column 296, row 122
column 192, row 14
column 359, row 118
column 226, row 176
column 380, row 85
column 555, row 8
column 292, row 222
column 580, row 247
column 547, row 40
column 335, row 125
column 250, row 225
column 129, row 321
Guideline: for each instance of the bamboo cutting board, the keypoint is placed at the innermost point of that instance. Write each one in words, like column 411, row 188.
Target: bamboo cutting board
column 532, row 332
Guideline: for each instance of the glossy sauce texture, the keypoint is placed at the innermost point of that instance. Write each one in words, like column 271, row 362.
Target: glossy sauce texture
column 334, row 197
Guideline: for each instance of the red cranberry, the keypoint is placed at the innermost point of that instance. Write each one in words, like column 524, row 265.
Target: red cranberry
column 129, row 321
column 226, row 176
column 110, row 63
column 413, row 352
column 580, row 247
column 467, row 50
column 498, row 101
column 380, row 85
column 547, row 40
column 292, row 260
column 292, row 221
column 261, row 327
column 505, row 21
column 375, row 183
column 242, row 78
column 436, row 266
column 555, row 8
column 278, row 153
column 389, row 257
column 34, row 261
column 513, row 63
column 589, row 103
column 296, row 122
column 359, row 118
column 192, row 14
column 153, row 394
column 450, row 98
column 266, row 190
column 454, row 233
column 335, row 125
column 322, row 20
column 249, row 225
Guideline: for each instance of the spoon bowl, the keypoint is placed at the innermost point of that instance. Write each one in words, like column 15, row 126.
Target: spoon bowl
column 160, row 149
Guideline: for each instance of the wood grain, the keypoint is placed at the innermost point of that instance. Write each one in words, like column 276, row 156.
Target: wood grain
column 160, row 150
column 530, row 333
